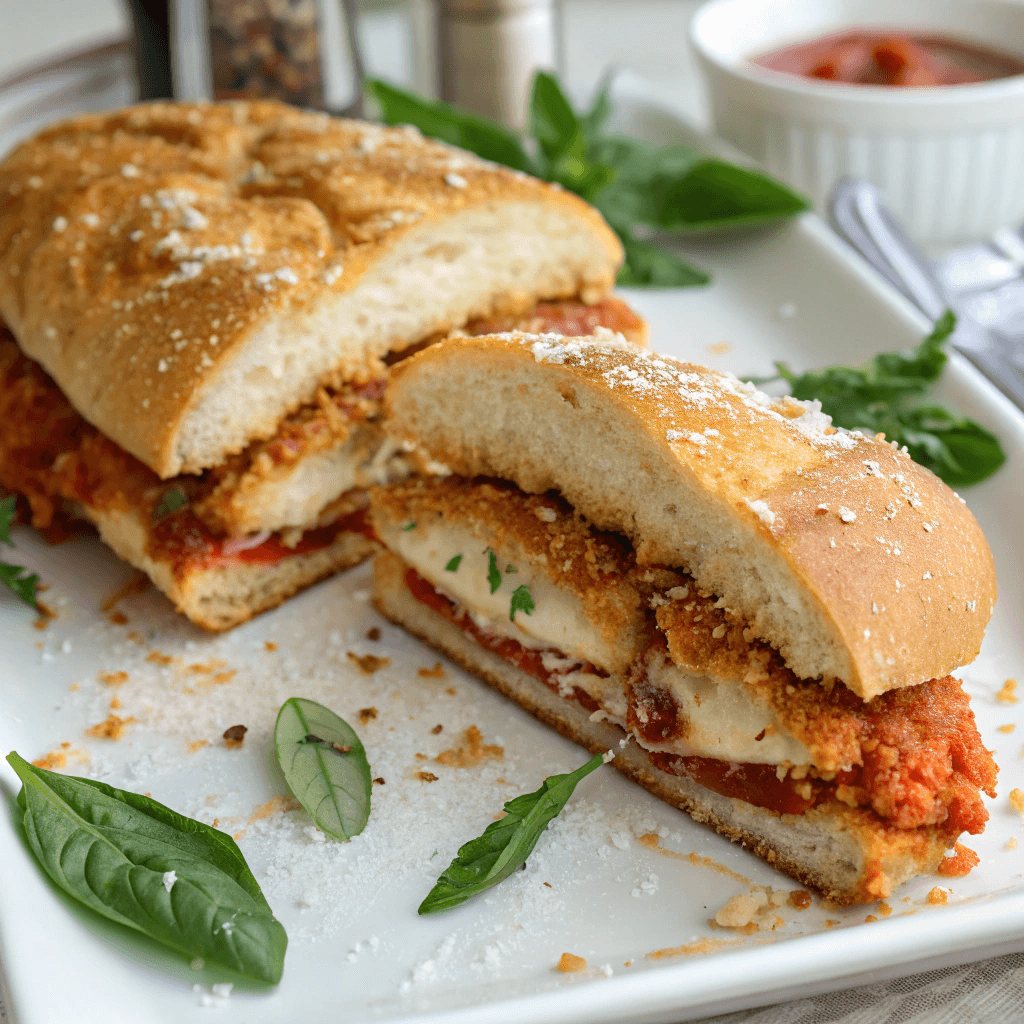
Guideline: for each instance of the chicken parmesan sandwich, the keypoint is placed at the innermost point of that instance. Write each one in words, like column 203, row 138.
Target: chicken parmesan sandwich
column 204, row 300
column 767, row 607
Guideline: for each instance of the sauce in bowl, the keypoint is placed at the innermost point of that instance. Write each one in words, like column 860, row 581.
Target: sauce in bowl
column 862, row 57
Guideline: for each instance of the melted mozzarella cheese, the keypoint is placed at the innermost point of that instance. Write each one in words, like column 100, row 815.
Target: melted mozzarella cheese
column 724, row 722
column 558, row 618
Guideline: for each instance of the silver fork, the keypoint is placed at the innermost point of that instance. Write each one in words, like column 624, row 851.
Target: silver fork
column 983, row 284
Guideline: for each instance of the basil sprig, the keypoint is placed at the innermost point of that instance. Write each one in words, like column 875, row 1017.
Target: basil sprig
column 16, row 578
column 325, row 766
column 139, row 863
column 635, row 185
column 505, row 844
column 885, row 394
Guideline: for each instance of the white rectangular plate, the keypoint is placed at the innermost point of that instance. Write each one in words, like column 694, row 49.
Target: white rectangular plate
column 357, row 949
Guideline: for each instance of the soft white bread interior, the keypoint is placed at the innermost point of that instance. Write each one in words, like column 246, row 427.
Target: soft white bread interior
column 189, row 274
column 218, row 597
column 846, row 854
column 838, row 550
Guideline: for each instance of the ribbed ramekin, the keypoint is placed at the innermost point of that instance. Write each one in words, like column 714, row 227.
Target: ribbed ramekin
column 949, row 159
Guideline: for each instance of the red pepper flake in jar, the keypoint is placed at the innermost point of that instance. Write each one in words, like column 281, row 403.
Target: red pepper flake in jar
column 262, row 48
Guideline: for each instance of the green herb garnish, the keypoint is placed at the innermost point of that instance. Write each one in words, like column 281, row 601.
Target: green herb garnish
column 510, row 568
column 411, row 526
column 505, row 844
column 14, row 576
column 325, row 766
column 139, row 863
column 522, row 601
column 453, row 563
column 884, row 395
column 493, row 573
column 172, row 500
column 635, row 185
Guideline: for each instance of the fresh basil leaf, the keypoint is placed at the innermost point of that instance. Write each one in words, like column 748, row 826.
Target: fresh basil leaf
column 139, row 863
column 171, row 501
column 553, row 122
column 630, row 182
column 522, row 601
column 16, row 578
column 560, row 138
column 453, row 563
column 923, row 365
column 884, row 396
column 441, row 121
column 593, row 121
column 642, row 174
column 647, row 266
column 956, row 449
column 493, row 572
column 505, row 844
column 333, row 786
column 714, row 193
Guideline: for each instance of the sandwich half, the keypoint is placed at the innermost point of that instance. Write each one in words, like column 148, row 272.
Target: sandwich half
column 206, row 299
column 769, row 609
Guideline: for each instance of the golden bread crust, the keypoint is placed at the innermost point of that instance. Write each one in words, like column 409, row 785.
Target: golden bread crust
column 140, row 249
column 887, row 566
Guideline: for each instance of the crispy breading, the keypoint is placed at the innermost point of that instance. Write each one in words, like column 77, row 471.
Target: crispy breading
column 918, row 748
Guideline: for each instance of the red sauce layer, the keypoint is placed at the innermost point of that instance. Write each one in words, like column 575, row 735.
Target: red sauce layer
column 892, row 59
column 183, row 540
column 509, row 650
column 907, row 779
column 757, row 784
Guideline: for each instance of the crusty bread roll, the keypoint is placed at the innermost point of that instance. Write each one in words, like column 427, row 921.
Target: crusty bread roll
column 222, row 595
column 190, row 274
column 843, row 852
column 852, row 561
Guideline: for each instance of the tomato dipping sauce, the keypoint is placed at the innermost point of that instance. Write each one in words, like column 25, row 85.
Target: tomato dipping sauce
column 860, row 57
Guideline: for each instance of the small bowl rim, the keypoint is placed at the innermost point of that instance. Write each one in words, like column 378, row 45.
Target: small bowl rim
column 1009, row 87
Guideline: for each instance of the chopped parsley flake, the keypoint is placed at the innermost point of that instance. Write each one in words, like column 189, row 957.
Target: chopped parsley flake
column 173, row 499
column 493, row 574
column 411, row 526
column 453, row 563
column 522, row 601
column 510, row 568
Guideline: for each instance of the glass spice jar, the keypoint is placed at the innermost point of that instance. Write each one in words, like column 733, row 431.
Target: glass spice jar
column 266, row 48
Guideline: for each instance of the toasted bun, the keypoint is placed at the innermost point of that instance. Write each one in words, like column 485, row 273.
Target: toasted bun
column 189, row 274
column 847, row 855
column 220, row 597
column 850, row 559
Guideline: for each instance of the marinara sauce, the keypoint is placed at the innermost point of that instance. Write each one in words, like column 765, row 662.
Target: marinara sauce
column 860, row 57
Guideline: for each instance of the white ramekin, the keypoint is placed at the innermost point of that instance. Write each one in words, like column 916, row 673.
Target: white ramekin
column 949, row 160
